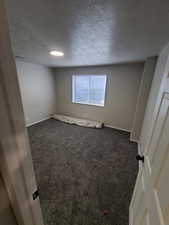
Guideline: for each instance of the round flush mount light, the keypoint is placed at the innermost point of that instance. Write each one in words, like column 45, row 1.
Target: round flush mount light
column 56, row 53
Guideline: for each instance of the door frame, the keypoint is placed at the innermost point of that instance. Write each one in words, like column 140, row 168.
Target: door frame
column 15, row 155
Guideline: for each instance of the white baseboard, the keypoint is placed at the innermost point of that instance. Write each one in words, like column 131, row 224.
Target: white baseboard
column 105, row 125
column 30, row 124
column 134, row 140
column 117, row 128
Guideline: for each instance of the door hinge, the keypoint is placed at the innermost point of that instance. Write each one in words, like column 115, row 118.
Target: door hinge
column 140, row 158
column 35, row 194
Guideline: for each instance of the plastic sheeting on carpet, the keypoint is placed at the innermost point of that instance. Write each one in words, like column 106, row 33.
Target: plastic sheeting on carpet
column 78, row 121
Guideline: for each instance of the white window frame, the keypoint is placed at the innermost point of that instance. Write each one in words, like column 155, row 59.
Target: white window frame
column 83, row 103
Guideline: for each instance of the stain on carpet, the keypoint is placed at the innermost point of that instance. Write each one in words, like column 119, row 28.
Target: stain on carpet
column 83, row 173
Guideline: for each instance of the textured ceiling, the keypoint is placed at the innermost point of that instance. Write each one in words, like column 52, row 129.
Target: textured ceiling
column 89, row 32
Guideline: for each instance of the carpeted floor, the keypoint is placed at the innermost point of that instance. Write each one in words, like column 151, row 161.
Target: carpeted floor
column 85, row 176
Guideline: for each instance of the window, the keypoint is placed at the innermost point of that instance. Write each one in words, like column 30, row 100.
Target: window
column 89, row 89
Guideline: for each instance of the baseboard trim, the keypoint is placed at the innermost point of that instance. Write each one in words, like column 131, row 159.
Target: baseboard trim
column 31, row 124
column 117, row 128
column 134, row 140
column 105, row 125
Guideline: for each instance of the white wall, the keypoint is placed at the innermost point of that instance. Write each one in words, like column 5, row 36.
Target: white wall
column 144, row 90
column 37, row 91
column 160, row 85
column 121, row 94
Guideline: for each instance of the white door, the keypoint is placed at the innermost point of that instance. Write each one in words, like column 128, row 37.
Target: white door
column 15, row 156
column 6, row 214
column 150, row 201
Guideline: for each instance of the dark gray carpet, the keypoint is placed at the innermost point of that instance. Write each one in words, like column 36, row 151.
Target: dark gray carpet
column 85, row 176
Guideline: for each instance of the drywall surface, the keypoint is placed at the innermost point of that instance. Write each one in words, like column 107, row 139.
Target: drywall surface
column 160, row 85
column 6, row 214
column 146, row 81
column 89, row 32
column 121, row 94
column 37, row 91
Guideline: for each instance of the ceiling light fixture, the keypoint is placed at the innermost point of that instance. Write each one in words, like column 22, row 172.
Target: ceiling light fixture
column 56, row 53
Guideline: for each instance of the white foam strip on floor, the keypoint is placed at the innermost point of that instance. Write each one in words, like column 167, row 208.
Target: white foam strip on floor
column 78, row 121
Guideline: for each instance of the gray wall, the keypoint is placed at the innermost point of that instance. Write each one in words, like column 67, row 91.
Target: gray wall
column 144, row 90
column 37, row 91
column 121, row 94
column 6, row 214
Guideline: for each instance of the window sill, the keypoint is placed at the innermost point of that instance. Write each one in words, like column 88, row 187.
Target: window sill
column 88, row 104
